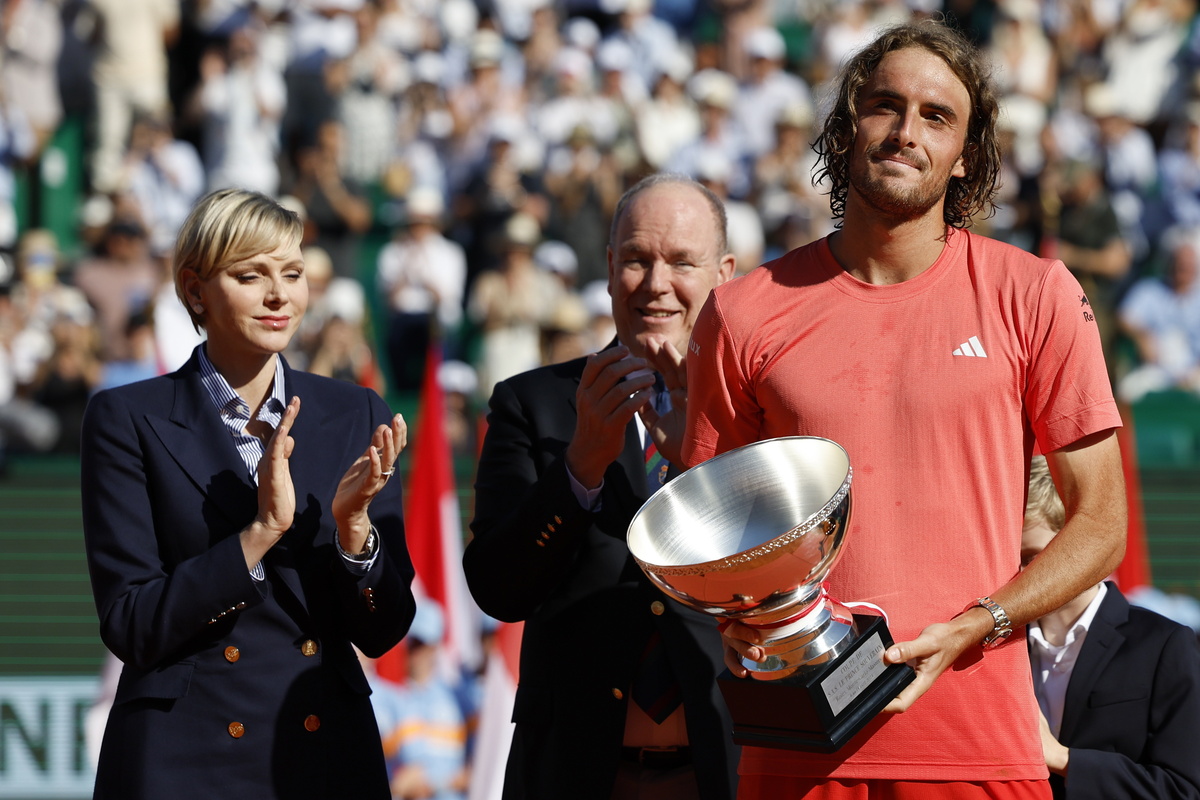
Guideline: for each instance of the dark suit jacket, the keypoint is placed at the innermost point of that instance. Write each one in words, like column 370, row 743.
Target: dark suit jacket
column 222, row 694
column 538, row 556
column 1132, row 711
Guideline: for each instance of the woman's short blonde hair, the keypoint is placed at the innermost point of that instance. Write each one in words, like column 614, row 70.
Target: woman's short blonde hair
column 1044, row 504
column 228, row 226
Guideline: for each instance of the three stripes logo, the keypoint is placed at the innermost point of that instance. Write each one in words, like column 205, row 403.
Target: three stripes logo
column 971, row 347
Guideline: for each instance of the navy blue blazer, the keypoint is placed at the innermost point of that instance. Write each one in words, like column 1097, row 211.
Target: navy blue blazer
column 1132, row 711
column 233, row 687
column 538, row 556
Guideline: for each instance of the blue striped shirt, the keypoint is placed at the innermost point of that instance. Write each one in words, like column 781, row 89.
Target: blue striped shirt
column 235, row 416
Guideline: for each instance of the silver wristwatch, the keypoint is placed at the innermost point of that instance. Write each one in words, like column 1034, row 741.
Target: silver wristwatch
column 1003, row 626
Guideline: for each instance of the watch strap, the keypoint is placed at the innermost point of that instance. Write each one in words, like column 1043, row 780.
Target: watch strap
column 1002, row 627
column 369, row 548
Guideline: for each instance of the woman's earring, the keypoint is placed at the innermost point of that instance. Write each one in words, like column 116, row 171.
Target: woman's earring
column 199, row 309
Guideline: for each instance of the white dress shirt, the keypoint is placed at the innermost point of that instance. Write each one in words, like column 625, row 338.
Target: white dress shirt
column 1053, row 664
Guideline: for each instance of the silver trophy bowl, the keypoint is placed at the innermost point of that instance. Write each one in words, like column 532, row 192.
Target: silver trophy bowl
column 751, row 535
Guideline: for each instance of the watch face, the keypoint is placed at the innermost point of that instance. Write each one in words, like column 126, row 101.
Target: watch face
column 995, row 638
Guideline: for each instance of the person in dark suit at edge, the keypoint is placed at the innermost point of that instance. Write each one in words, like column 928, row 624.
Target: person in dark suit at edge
column 239, row 545
column 1118, row 685
column 562, row 472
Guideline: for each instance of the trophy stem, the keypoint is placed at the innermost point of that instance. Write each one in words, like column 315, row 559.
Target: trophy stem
column 817, row 634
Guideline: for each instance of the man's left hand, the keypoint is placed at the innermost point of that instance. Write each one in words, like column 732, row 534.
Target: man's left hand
column 934, row 651
column 667, row 429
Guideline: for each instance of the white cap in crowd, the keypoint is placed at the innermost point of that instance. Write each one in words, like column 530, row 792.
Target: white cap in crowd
column 765, row 43
column 458, row 377
column 713, row 87
column 487, row 48
column 557, row 257
column 614, row 55
column 574, row 63
column 428, row 625
column 424, row 202
column 522, row 230
column 581, row 32
column 429, row 67
column 458, row 19
column 675, row 64
column 597, row 299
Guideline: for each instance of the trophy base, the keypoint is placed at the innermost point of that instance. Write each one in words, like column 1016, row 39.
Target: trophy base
column 818, row 708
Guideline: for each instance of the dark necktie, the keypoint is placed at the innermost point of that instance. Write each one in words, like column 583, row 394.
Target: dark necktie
column 656, row 465
column 655, row 688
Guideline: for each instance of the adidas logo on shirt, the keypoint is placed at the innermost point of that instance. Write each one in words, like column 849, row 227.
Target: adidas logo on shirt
column 971, row 347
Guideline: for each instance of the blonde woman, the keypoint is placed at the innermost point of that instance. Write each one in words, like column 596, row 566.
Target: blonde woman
column 243, row 531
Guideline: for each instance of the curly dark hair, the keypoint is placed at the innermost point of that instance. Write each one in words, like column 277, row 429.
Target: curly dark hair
column 981, row 153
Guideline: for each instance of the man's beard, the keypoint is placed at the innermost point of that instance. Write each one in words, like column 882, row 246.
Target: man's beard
column 898, row 203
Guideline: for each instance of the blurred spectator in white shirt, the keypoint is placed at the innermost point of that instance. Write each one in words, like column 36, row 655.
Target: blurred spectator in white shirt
column 511, row 304
column 130, row 74
column 1130, row 163
column 645, row 34
column 574, row 102
column 768, row 89
column 620, row 95
column 18, row 143
column 243, row 99
column 669, row 119
column 715, row 92
column 476, row 104
column 31, row 38
column 25, row 426
column 1141, row 55
column 164, row 175
column 1162, row 317
column 423, row 130
column 1179, row 169
column 1023, row 54
column 423, row 276
column 366, row 86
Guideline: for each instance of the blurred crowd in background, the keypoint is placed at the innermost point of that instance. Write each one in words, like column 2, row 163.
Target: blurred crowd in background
column 457, row 163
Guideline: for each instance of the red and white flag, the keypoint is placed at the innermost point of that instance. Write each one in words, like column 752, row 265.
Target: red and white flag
column 433, row 529
column 495, row 731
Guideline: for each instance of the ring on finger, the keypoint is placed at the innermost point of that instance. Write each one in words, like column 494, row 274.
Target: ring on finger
column 387, row 473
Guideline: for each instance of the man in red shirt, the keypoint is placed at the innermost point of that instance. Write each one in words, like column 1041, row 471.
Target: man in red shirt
column 939, row 359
